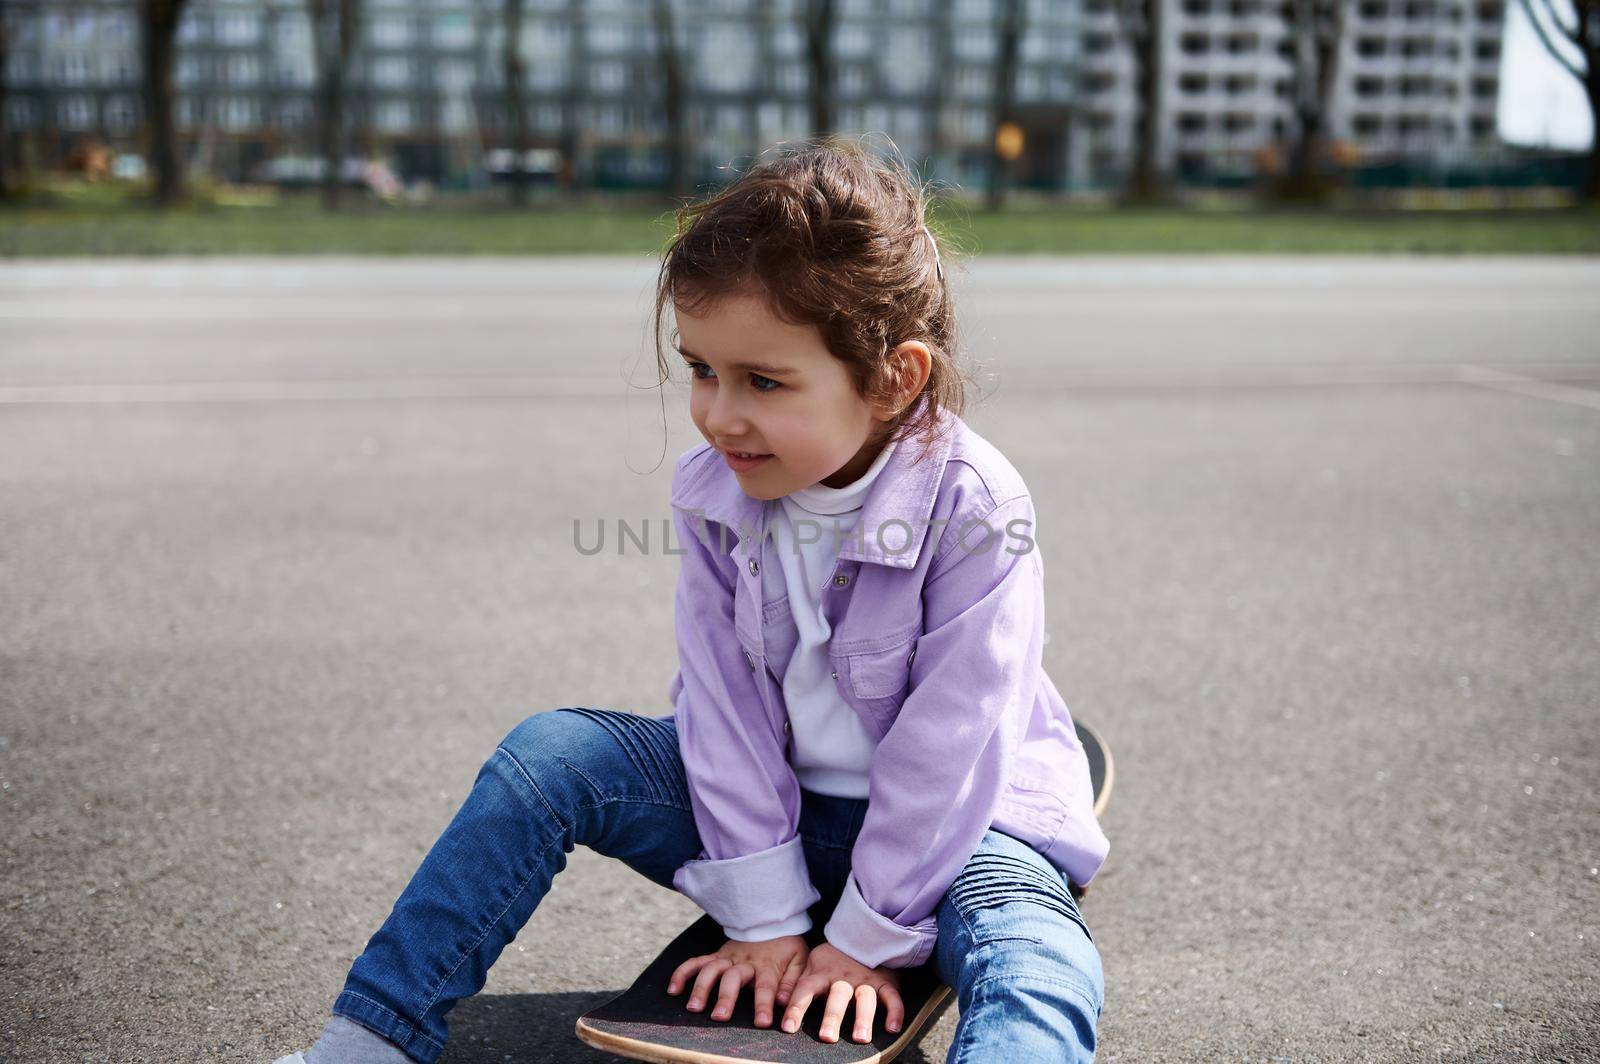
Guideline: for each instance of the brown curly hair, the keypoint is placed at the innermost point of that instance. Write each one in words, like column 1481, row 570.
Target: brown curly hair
column 830, row 236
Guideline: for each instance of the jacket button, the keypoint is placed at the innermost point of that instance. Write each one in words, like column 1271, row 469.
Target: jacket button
column 786, row 726
column 841, row 580
column 834, row 673
column 750, row 661
column 912, row 658
column 755, row 567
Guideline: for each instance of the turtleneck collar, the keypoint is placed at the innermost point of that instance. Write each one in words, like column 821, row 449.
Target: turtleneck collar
column 821, row 499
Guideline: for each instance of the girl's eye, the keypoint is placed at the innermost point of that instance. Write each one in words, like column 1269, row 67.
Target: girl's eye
column 757, row 379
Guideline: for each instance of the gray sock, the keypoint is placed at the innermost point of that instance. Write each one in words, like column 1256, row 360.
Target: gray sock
column 345, row 1041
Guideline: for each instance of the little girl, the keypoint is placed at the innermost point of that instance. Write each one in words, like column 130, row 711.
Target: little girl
column 863, row 735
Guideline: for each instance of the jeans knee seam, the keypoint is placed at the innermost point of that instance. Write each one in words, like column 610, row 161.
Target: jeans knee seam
column 1073, row 985
column 529, row 780
column 619, row 798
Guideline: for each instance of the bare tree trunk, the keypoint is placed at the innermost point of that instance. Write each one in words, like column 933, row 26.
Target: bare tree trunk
column 5, row 131
column 334, row 25
column 1318, row 28
column 1586, row 37
column 516, row 103
column 1005, row 91
column 570, row 138
column 159, row 31
column 672, row 98
column 1592, row 189
column 939, row 93
column 819, row 55
column 1140, row 25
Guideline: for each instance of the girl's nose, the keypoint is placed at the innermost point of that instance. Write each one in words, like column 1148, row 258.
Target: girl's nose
column 724, row 419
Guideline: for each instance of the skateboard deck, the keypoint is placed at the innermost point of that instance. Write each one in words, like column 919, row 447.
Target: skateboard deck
column 644, row 1022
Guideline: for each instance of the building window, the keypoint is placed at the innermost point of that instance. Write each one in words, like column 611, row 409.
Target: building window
column 239, row 113
column 391, row 71
column 20, row 113
column 609, row 78
column 294, row 115
column 291, row 30
column 293, row 73
column 394, row 116
column 192, row 28
column 243, row 70
column 391, row 31
column 122, row 115
column 19, row 69
column 976, row 47
column 607, row 38
column 452, row 30
column 75, row 113
column 72, row 69
column 455, row 116
column 238, row 27
column 727, row 58
column 547, row 77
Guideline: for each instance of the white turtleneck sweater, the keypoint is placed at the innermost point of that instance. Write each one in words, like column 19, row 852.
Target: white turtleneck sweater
column 832, row 748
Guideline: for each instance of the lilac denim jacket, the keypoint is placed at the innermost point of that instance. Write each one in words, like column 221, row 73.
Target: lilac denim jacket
column 937, row 645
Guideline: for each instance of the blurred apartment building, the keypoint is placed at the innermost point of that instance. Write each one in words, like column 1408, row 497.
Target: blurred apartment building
column 1417, row 79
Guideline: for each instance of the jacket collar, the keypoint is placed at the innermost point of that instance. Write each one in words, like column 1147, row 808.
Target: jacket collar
column 903, row 495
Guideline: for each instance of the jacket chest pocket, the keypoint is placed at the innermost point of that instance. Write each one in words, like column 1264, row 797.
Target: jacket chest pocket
column 879, row 679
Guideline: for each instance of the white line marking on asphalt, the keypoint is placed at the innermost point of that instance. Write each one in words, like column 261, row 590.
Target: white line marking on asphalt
column 1485, row 377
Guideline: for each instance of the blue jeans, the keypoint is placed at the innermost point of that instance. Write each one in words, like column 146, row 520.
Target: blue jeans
column 1011, row 942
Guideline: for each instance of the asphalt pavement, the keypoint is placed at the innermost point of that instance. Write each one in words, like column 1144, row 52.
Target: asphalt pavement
column 286, row 547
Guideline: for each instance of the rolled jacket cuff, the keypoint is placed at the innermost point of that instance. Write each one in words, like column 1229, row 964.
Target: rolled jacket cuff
column 753, row 891
column 873, row 939
column 798, row 924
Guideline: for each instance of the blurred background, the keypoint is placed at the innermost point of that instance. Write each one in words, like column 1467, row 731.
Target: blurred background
column 263, row 104
column 310, row 372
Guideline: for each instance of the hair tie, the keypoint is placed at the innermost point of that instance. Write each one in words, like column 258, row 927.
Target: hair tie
column 938, row 263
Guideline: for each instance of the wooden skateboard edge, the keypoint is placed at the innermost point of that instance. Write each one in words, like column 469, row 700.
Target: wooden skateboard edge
column 1103, row 799
column 636, row 1049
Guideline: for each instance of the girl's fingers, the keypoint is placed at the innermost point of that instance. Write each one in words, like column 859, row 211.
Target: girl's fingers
column 894, row 1008
column 681, row 974
column 804, row 990
column 732, row 979
column 707, row 979
column 839, row 996
column 766, row 984
column 791, row 975
column 866, row 1000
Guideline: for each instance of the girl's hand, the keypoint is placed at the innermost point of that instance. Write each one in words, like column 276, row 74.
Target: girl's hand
column 773, row 966
column 845, row 980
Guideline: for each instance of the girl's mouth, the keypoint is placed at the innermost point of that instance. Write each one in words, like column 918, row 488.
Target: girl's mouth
column 741, row 464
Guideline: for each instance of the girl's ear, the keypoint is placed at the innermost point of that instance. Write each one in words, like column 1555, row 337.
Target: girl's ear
column 909, row 366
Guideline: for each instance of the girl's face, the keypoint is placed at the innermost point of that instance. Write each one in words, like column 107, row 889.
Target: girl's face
column 760, row 385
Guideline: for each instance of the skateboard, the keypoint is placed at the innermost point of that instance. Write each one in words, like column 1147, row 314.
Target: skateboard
column 644, row 1022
